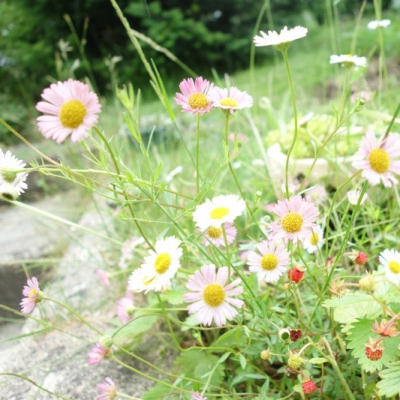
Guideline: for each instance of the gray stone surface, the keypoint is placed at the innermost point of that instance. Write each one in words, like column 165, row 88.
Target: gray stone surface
column 57, row 359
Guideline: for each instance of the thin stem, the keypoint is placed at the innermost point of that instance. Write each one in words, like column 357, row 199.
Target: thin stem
column 116, row 166
column 197, row 153
column 34, row 383
column 72, row 311
column 289, row 75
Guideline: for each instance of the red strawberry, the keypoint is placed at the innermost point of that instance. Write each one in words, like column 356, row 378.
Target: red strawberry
column 295, row 334
column 309, row 387
column 361, row 258
column 295, row 274
column 373, row 354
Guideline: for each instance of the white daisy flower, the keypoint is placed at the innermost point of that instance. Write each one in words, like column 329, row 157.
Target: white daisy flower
column 10, row 179
column 272, row 262
column 375, row 24
column 159, row 267
column 354, row 195
column 390, row 260
column 348, row 60
column 285, row 37
column 219, row 210
column 314, row 240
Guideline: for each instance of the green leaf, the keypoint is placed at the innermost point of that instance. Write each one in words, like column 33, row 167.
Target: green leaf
column 390, row 384
column 317, row 360
column 360, row 332
column 243, row 361
column 234, row 338
column 174, row 296
column 141, row 324
column 198, row 364
column 158, row 392
column 352, row 306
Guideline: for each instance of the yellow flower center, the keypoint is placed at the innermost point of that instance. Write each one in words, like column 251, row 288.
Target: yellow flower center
column 219, row 212
column 32, row 294
column 292, row 222
column 394, row 266
column 379, row 160
column 229, row 102
column 198, row 100
column 314, row 239
column 72, row 113
column 163, row 261
column 214, row 232
column 269, row 262
column 214, row 295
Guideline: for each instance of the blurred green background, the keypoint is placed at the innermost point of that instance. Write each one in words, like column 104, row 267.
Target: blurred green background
column 47, row 40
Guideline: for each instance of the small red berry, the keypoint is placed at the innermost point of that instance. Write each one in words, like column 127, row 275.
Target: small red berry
column 373, row 349
column 309, row 387
column 295, row 274
column 361, row 258
column 295, row 334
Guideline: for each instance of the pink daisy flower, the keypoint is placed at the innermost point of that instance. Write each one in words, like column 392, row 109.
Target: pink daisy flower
column 212, row 298
column 272, row 262
column 197, row 396
column 194, row 96
column 230, row 100
column 103, row 276
column 125, row 309
column 108, row 388
column 71, row 108
column 314, row 240
column 33, row 296
column 214, row 235
column 377, row 159
column 10, row 180
column 98, row 353
column 296, row 219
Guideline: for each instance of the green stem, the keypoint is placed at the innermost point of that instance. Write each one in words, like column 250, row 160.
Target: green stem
column 289, row 75
column 335, row 366
column 34, row 383
column 72, row 311
column 116, row 166
column 197, row 153
column 64, row 221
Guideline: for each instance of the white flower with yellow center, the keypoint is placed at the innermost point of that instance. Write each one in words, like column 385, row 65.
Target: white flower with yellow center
column 348, row 60
column 390, row 260
column 272, row 262
column 71, row 108
column 281, row 40
column 159, row 267
column 314, row 240
column 377, row 159
column 218, row 211
column 230, row 100
column 12, row 179
column 211, row 296
column 296, row 219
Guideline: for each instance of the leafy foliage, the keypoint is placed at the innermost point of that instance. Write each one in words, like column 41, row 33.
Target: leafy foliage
column 390, row 384
column 358, row 337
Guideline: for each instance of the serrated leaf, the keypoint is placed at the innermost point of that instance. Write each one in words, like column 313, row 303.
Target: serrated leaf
column 158, row 392
column 358, row 337
column 198, row 364
column 352, row 306
column 390, row 384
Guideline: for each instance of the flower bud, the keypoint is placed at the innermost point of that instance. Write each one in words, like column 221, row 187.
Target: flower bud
column 265, row 355
column 284, row 334
column 367, row 283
